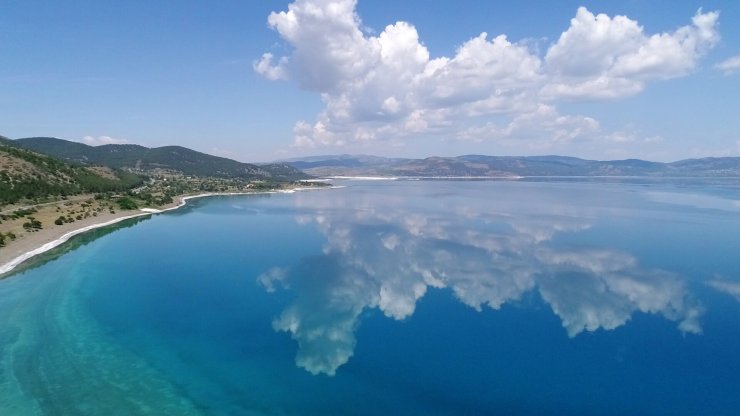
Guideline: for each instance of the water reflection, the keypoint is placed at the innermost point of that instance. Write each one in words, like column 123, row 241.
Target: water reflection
column 386, row 253
column 726, row 286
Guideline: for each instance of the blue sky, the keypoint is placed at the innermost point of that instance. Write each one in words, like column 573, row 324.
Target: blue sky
column 658, row 83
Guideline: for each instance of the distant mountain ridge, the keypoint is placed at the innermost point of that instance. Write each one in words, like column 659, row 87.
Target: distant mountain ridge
column 347, row 161
column 512, row 166
column 140, row 158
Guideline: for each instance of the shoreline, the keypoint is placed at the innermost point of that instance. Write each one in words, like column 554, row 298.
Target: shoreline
column 10, row 265
column 417, row 178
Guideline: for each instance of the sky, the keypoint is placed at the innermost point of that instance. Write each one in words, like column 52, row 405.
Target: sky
column 266, row 80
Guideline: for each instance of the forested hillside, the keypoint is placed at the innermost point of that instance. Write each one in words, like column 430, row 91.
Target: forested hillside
column 29, row 176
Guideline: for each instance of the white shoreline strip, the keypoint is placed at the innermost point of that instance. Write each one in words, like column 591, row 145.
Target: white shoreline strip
column 50, row 245
column 416, row 178
column 12, row 264
column 366, row 178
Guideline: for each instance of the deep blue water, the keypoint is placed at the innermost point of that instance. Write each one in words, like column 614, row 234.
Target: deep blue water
column 404, row 297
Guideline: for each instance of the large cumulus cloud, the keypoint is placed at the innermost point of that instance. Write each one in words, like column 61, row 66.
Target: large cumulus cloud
column 387, row 87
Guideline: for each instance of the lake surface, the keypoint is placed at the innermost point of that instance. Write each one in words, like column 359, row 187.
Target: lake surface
column 392, row 298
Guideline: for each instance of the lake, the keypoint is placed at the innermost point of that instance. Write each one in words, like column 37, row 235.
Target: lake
column 535, row 297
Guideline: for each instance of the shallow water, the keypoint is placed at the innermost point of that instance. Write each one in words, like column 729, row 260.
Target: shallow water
column 404, row 297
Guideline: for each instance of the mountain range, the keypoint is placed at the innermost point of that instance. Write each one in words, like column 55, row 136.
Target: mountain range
column 143, row 159
column 140, row 159
column 511, row 166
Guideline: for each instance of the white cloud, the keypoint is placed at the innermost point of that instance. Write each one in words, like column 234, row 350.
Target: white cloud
column 265, row 67
column 591, row 45
column 599, row 57
column 329, row 49
column 541, row 128
column 480, row 70
column 630, row 136
column 729, row 66
column 100, row 140
column 387, row 87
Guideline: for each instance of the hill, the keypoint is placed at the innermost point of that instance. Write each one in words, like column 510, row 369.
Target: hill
column 26, row 175
column 512, row 166
column 143, row 159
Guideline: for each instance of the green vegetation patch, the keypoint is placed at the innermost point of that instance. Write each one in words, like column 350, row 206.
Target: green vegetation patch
column 126, row 203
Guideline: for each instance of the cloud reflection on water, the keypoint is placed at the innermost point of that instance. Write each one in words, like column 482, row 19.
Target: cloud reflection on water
column 387, row 255
column 723, row 285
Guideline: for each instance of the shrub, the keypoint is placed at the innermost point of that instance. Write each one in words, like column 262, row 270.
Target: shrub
column 32, row 225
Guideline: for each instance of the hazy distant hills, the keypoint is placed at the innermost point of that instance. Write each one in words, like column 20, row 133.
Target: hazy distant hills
column 27, row 175
column 190, row 162
column 511, row 166
column 140, row 158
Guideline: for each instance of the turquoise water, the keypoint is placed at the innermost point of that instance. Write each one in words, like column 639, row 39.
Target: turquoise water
column 402, row 297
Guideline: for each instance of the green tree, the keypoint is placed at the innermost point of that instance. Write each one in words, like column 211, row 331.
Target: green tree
column 126, row 203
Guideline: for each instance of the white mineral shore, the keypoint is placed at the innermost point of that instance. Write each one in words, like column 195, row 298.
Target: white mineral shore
column 41, row 242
